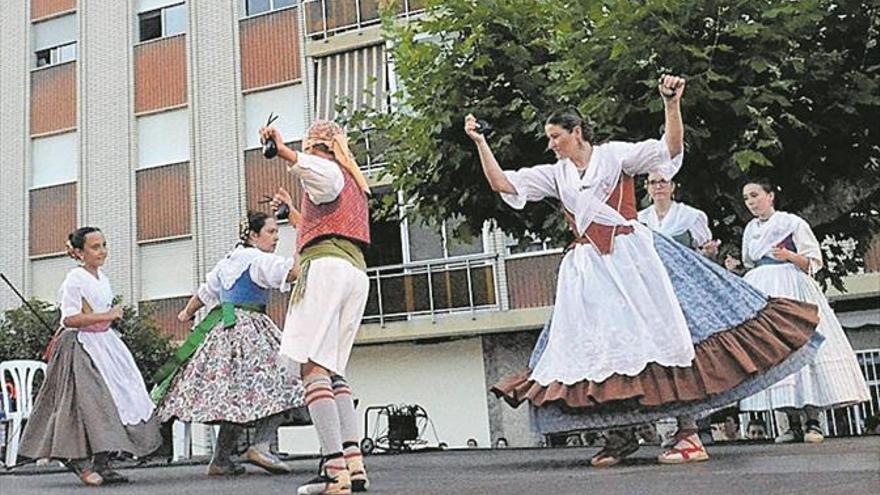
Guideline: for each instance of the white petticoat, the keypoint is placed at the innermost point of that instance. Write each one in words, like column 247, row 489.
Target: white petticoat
column 834, row 377
column 614, row 313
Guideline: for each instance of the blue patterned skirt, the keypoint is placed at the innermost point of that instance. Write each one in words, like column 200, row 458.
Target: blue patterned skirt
column 743, row 341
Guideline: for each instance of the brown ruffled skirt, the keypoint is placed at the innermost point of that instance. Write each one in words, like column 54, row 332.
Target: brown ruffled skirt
column 722, row 361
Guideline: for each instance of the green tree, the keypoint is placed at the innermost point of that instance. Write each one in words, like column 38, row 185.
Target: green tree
column 23, row 335
column 783, row 89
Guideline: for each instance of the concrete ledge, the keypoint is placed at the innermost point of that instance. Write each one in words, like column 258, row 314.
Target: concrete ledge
column 455, row 326
column 345, row 41
column 857, row 286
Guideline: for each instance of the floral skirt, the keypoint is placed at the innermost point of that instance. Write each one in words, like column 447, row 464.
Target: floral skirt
column 235, row 376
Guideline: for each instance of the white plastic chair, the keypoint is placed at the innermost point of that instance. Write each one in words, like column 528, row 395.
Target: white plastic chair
column 22, row 373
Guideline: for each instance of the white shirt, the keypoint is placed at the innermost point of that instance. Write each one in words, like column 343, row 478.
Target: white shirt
column 761, row 236
column 267, row 270
column 679, row 219
column 320, row 177
column 586, row 196
column 79, row 284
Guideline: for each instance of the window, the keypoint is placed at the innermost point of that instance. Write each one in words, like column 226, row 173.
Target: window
column 427, row 242
column 166, row 269
column 368, row 147
column 162, row 22
column 163, row 138
column 151, row 25
column 54, row 159
column 47, row 275
column 385, row 246
column 253, row 7
column 54, row 41
column 56, row 55
column 288, row 102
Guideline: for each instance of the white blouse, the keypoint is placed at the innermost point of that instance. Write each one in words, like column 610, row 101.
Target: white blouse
column 586, row 196
column 79, row 284
column 761, row 236
column 320, row 177
column 679, row 219
column 267, row 270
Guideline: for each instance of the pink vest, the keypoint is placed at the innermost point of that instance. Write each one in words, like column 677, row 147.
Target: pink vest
column 346, row 216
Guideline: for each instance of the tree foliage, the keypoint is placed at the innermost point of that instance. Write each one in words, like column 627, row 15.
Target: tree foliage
column 777, row 88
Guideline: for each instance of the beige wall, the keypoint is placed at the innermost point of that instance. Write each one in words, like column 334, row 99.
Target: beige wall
column 447, row 379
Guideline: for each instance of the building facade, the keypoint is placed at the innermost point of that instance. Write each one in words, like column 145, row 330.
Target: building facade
column 141, row 117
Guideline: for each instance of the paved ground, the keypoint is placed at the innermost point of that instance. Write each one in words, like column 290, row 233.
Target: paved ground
column 845, row 466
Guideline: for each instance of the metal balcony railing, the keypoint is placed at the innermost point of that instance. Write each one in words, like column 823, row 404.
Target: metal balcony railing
column 840, row 421
column 324, row 18
column 444, row 286
column 369, row 151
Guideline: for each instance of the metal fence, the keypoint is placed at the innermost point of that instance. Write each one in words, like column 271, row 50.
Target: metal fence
column 325, row 18
column 426, row 289
column 841, row 421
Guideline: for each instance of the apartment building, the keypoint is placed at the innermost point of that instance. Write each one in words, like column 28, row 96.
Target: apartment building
column 141, row 117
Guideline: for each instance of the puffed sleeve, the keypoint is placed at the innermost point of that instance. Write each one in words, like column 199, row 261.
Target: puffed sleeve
column 321, row 178
column 531, row 184
column 209, row 291
column 645, row 157
column 70, row 296
column 808, row 246
column 700, row 231
column 269, row 271
column 746, row 260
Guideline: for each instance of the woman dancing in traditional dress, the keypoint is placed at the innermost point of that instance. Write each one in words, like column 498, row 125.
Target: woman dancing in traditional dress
column 232, row 373
column 782, row 255
column 643, row 328
column 94, row 401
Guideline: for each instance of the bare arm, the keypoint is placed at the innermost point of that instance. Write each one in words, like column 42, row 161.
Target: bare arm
column 672, row 87
column 193, row 305
column 497, row 180
column 294, row 272
column 798, row 260
column 282, row 196
column 284, row 151
column 83, row 320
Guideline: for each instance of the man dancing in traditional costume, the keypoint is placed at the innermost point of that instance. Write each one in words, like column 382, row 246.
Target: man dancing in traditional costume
column 329, row 299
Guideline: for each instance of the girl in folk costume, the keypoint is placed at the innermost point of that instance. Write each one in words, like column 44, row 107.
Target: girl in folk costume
column 231, row 372
column 94, row 401
column 328, row 303
column 782, row 254
column 643, row 328
column 686, row 224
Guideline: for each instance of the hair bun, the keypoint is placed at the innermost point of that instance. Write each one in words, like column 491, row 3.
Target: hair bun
column 71, row 251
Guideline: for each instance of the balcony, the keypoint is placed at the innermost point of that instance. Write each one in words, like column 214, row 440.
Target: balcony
column 431, row 288
column 531, row 278
column 368, row 147
column 325, row 18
